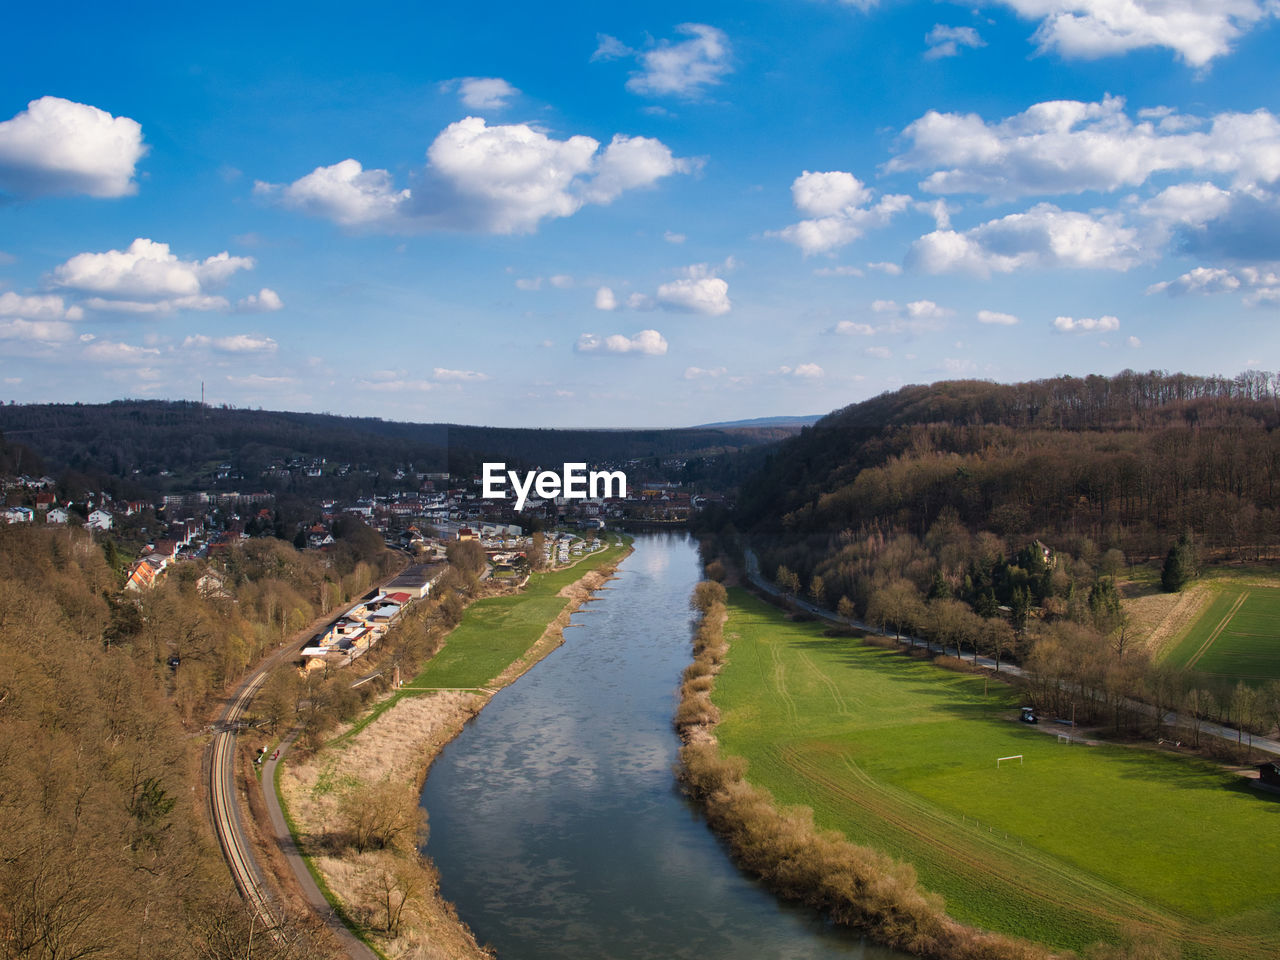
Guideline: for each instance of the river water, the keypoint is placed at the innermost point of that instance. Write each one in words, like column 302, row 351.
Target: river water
column 557, row 824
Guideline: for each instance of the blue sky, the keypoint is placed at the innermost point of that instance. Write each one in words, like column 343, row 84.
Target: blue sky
column 659, row 214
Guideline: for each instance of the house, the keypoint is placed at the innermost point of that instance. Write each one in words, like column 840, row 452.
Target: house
column 416, row 580
column 57, row 515
column 44, row 500
column 213, row 586
column 18, row 515
column 99, row 520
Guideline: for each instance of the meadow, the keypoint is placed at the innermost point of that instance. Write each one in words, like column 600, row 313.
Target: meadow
column 1068, row 846
column 496, row 631
column 1237, row 637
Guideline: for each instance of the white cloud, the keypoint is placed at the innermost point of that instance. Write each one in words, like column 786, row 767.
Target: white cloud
column 111, row 352
column 1044, row 236
column 838, row 204
column 892, row 269
column 699, row 373
column 805, row 371
column 345, row 193
column 706, row 295
column 882, row 353
column 458, row 376
column 265, row 300
column 237, row 343
column 158, row 307
column 671, row 237
column 915, row 317
column 561, row 281
column 485, row 93
column 840, row 271
column 147, row 271
column 1085, row 324
column 646, row 342
column 605, row 300
column 529, row 283
column 1067, row 146
column 1259, row 286
column 42, row 307
column 502, row 179
column 682, row 69
column 58, row 146
column 945, row 41
column 1196, row 30
column 1001, row 319
column 849, row 328
column 1134, row 342
column 40, row 331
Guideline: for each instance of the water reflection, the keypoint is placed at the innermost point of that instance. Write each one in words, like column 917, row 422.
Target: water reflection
column 556, row 822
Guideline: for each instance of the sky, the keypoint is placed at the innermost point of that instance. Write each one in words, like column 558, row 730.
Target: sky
column 631, row 215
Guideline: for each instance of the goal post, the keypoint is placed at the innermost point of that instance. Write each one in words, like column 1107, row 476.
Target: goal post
column 1016, row 756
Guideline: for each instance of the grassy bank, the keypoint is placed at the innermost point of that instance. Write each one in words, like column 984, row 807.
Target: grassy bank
column 1235, row 636
column 1068, row 846
column 365, row 783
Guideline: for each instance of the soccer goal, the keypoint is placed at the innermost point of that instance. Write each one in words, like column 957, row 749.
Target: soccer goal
column 1016, row 756
column 1065, row 738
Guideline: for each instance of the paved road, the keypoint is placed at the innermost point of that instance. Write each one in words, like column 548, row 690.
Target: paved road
column 1264, row 744
column 354, row 947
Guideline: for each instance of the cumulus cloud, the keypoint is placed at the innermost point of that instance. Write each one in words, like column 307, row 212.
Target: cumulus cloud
column 700, row 373
column 672, row 237
column 236, row 343
column 840, row 209
column 1196, row 30
column 501, row 179
column 605, row 300
column 841, row 271
column 1067, row 147
column 805, row 371
column 146, row 271
column 945, row 41
column 698, row 290
column 1085, row 324
column 1000, row 319
column 881, row 353
column 41, row 307
column 39, row 331
column 59, row 146
column 485, row 93
column 681, row 69
column 645, row 343
column 458, row 376
column 915, row 317
column 265, row 300
column 1044, row 236
column 1134, row 342
column 850, row 328
column 1258, row 286
column 110, row 351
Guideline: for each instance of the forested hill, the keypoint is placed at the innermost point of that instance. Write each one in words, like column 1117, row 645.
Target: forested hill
column 1130, row 461
column 184, row 441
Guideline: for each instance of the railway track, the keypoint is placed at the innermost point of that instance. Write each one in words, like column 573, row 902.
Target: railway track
column 224, row 809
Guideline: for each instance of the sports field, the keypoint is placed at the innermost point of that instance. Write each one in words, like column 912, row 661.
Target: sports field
column 1237, row 637
column 1067, row 846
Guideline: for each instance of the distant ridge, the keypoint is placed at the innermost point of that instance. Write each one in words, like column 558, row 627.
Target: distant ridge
column 802, row 421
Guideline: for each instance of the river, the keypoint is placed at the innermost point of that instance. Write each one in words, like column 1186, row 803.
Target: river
column 556, row 822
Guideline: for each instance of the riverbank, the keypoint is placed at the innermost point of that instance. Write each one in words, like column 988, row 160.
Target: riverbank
column 368, row 778
column 898, row 756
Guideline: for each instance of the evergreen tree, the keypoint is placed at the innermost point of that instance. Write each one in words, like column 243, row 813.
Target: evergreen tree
column 1181, row 566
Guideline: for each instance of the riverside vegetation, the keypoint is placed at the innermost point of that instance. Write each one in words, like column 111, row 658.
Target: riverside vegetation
column 353, row 805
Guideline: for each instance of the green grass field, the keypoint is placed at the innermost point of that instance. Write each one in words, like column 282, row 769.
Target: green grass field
column 1237, row 637
column 1068, row 847
column 496, row 631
